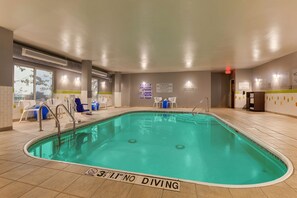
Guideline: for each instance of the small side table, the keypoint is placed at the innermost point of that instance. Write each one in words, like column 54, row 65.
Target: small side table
column 95, row 106
column 165, row 104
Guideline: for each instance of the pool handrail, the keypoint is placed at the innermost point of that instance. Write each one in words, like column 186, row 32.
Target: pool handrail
column 55, row 116
column 206, row 108
column 73, row 120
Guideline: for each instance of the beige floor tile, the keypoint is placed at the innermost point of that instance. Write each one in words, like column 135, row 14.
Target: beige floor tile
column 6, row 166
column 294, row 161
column 212, row 191
column 174, row 194
column 56, row 165
column 145, row 192
column 292, row 181
column 76, row 169
column 15, row 189
column 187, row 187
column 23, row 159
column 60, row 181
column 38, row 162
column 247, row 192
column 4, row 182
column 38, row 176
column 186, row 190
column 11, row 155
column 280, row 190
column 84, row 186
column 19, row 171
column 40, row 192
column 113, row 189
column 63, row 195
column 2, row 161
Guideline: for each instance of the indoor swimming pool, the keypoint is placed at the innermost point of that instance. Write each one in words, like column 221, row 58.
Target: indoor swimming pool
column 199, row 148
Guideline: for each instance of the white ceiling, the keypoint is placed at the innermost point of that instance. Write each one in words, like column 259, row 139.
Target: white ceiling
column 157, row 35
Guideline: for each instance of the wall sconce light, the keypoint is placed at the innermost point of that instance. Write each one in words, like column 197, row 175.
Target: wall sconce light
column 189, row 84
column 103, row 84
column 258, row 81
column 276, row 79
column 77, row 81
column 64, row 79
column 276, row 76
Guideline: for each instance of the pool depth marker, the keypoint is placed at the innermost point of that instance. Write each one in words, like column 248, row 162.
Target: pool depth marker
column 156, row 182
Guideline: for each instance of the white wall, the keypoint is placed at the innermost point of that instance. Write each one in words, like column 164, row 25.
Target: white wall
column 242, row 77
column 185, row 97
column 281, row 91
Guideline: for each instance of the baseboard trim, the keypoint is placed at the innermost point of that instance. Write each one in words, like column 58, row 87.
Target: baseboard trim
column 6, row 128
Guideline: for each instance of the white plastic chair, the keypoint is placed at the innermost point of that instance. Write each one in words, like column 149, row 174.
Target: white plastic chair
column 28, row 106
column 157, row 101
column 103, row 102
column 53, row 103
column 172, row 101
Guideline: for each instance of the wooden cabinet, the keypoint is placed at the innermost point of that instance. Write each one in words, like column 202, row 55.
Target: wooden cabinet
column 255, row 101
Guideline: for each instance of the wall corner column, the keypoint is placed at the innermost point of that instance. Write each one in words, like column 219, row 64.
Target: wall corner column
column 86, row 87
column 6, row 79
column 117, row 90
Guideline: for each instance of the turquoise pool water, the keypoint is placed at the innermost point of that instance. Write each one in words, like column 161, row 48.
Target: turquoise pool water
column 199, row 148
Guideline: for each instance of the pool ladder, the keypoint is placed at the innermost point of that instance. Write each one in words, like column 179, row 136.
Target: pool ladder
column 55, row 117
column 206, row 107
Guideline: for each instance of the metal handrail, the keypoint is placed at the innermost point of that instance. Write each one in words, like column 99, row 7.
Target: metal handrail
column 73, row 120
column 40, row 120
column 201, row 101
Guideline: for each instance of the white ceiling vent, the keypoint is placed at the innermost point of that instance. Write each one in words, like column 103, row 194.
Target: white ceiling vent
column 99, row 73
column 43, row 57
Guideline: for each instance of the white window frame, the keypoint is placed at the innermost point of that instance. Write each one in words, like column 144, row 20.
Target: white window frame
column 34, row 77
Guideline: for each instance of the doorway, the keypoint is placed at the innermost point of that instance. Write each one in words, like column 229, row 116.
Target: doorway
column 232, row 94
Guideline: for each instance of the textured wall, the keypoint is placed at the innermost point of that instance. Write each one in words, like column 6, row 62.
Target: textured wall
column 6, row 61
column 276, row 78
column 284, row 67
column 125, row 88
column 185, row 97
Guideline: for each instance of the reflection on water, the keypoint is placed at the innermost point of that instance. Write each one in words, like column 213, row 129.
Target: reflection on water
column 178, row 145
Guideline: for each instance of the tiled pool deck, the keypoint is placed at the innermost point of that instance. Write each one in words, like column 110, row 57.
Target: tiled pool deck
column 24, row 176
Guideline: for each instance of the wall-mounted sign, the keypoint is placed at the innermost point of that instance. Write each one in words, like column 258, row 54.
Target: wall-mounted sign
column 155, row 182
column 189, row 86
column 164, row 87
column 243, row 86
column 145, row 91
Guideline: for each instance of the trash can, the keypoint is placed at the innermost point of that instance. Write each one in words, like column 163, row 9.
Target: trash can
column 95, row 106
column 44, row 112
column 165, row 104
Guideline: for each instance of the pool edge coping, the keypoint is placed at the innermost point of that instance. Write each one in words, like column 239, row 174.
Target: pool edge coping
column 260, row 143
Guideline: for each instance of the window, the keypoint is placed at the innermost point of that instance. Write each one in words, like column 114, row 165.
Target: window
column 94, row 89
column 44, row 84
column 23, row 83
column 32, row 84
